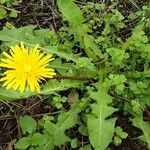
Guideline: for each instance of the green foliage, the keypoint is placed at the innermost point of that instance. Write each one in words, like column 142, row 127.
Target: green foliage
column 6, row 12
column 10, row 2
column 13, row 14
column 36, row 141
column 74, row 16
column 102, row 60
column 23, row 143
column 74, row 143
column 31, row 37
column 117, row 55
column 2, row 13
column 28, row 124
column 86, row 147
column 57, row 101
column 97, row 121
column 83, row 130
column 119, row 135
column 50, row 87
column 144, row 126
column 65, row 121
column 54, row 134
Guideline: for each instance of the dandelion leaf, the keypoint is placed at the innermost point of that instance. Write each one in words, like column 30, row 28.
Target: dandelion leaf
column 72, row 13
column 145, row 127
column 66, row 120
column 15, row 35
column 100, row 127
column 28, row 124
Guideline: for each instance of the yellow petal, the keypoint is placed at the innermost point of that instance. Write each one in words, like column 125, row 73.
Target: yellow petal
column 25, row 68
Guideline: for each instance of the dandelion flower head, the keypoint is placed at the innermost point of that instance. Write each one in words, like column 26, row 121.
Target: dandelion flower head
column 25, row 68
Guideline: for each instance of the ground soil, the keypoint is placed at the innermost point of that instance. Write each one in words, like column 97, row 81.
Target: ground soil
column 44, row 14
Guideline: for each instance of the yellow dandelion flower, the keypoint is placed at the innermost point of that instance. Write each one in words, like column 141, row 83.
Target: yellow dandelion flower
column 25, row 68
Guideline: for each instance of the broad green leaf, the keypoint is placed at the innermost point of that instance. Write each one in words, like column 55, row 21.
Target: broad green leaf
column 145, row 127
column 28, row 124
column 23, row 143
column 67, row 8
column 38, row 139
column 66, row 120
column 100, row 128
column 54, row 50
column 10, row 94
column 86, row 41
column 85, row 62
column 15, row 36
column 53, row 86
column 61, row 67
column 2, row 13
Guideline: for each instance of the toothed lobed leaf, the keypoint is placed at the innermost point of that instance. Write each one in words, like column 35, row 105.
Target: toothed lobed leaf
column 145, row 127
column 100, row 127
column 66, row 120
column 72, row 13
